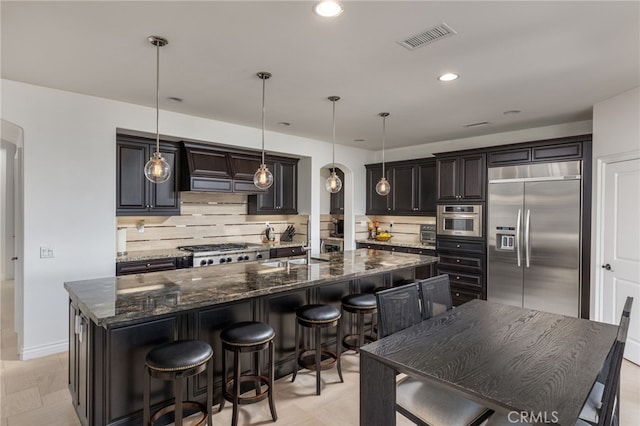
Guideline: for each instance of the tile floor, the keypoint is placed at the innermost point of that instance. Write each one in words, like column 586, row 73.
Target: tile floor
column 34, row 392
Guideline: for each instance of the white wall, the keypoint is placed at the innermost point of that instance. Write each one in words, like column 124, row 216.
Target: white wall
column 616, row 130
column 69, row 189
column 7, row 152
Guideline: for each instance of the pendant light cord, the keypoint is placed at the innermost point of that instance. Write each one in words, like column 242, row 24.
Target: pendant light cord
column 157, row 98
column 384, row 132
column 263, row 91
column 334, row 137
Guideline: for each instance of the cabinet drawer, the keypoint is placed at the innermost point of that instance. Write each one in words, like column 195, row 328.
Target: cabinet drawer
column 423, row 251
column 462, row 278
column 286, row 252
column 469, row 262
column 152, row 265
column 460, row 296
column 453, row 245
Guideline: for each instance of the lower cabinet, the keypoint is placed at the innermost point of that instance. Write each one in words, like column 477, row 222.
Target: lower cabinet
column 464, row 261
column 420, row 272
column 275, row 253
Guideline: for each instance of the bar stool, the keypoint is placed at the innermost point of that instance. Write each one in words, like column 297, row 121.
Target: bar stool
column 360, row 304
column 253, row 337
column 317, row 317
column 176, row 361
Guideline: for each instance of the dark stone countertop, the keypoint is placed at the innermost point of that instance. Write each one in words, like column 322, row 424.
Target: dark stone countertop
column 117, row 300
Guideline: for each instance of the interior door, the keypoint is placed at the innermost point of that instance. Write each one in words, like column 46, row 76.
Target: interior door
column 551, row 242
column 504, row 251
column 620, row 268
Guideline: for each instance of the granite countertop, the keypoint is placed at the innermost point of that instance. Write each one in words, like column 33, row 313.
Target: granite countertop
column 397, row 244
column 117, row 300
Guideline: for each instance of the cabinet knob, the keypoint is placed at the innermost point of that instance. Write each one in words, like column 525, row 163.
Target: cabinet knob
column 458, row 294
column 457, row 260
column 457, row 277
column 148, row 265
column 458, row 245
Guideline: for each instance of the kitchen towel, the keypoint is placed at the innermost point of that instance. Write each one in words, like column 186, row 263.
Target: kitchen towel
column 121, row 241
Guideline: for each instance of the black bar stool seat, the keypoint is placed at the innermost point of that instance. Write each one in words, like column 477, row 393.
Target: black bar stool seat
column 360, row 304
column 176, row 361
column 247, row 336
column 317, row 317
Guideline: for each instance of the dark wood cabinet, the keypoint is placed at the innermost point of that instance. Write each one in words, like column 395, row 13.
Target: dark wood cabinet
column 282, row 196
column 464, row 261
column 275, row 253
column 413, row 188
column 561, row 149
column 461, row 177
column 142, row 266
column 137, row 196
column 337, row 199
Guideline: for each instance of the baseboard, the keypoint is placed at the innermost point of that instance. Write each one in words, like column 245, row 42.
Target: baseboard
column 44, row 350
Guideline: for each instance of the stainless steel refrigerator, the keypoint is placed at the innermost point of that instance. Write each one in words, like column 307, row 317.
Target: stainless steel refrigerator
column 533, row 238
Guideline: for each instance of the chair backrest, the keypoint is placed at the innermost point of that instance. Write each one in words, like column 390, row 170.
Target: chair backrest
column 398, row 308
column 435, row 295
column 610, row 395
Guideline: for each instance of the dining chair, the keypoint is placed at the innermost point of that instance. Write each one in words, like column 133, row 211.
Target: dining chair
column 603, row 404
column 422, row 402
column 435, row 295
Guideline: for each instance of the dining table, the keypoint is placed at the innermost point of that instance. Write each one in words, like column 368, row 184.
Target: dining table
column 537, row 364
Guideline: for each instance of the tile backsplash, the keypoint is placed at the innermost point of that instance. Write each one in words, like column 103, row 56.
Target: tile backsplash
column 206, row 218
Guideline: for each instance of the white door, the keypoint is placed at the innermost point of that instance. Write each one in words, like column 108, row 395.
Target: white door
column 620, row 254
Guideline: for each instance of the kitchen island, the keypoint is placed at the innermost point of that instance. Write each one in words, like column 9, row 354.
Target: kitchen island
column 115, row 321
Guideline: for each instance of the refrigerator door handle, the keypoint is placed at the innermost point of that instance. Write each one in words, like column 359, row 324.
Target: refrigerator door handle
column 527, row 246
column 518, row 254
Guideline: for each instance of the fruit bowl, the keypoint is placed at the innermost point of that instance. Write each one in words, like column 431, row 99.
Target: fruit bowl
column 383, row 237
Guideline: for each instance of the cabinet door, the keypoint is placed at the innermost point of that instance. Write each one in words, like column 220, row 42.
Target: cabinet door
column 403, row 189
column 73, row 355
column 266, row 203
column 447, row 169
column 376, row 204
column 287, row 187
column 337, row 199
column 472, row 177
column 426, row 187
column 165, row 197
column 131, row 185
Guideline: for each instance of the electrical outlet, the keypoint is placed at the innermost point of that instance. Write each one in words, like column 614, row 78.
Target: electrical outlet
column 46, row 252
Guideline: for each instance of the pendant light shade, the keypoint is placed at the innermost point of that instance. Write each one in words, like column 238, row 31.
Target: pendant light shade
column 383, row 188
column 333, row 183
column 263, row 178
column 157, row 169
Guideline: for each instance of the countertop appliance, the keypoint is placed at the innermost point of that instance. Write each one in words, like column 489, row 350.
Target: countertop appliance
column 459, row 220
column 534, row 239
column 219, row 254
column 338, row 228
column 428, row 234
column 331, row 245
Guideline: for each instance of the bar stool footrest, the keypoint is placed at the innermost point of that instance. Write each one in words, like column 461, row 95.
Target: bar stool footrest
column 261, row 380
column 307, row 359
column 186, row 407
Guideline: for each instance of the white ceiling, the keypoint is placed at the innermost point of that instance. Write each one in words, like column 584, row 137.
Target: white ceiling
column 551, row 60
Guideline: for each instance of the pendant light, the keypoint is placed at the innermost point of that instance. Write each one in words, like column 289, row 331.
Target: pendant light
column 333, row 183
column 157, row 170
column 263, row 178
column 383, row 188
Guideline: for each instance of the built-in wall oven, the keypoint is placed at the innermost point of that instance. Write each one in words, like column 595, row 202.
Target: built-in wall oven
column 460, row 220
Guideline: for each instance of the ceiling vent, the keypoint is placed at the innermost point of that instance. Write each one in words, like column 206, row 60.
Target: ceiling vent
column 428, row 36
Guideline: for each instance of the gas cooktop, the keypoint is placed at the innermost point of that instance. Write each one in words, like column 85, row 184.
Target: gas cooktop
column 224, row 253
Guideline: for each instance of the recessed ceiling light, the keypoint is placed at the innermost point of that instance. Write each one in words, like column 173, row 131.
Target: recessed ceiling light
column 284, row 123
column 358, row 140
column 174, row 99
column 448, row 77
column 512, row 111
column 328, row 8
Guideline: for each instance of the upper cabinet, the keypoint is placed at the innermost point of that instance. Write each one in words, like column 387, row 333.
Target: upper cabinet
column 461, row 177
column 218, row 169
column 282, row 196
column 562, row 149
column 337, row 199
column 135, row 195
column 413, row 188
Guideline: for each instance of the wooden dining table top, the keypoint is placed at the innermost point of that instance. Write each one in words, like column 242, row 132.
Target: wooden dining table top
column 505, row 357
